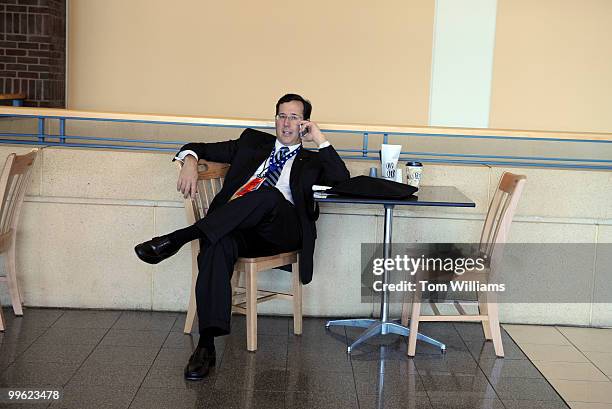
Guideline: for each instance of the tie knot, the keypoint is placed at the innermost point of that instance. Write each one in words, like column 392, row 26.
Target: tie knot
column 282, row 153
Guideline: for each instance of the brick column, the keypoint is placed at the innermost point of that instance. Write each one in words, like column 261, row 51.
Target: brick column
column 33, row 50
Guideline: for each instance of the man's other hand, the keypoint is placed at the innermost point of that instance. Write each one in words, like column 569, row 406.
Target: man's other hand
column 188, row 177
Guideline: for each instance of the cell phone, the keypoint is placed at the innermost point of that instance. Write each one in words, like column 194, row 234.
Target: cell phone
column 303, row 131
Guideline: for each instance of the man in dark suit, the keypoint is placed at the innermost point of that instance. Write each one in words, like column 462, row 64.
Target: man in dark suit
column 265, row 207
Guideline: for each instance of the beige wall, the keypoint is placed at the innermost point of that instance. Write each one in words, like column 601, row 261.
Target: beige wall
column 358, row 61
column 553, row 65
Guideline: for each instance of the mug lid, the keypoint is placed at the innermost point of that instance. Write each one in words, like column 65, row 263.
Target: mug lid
column 414, row 164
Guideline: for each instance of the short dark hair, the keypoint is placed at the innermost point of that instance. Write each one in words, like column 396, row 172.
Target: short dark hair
column 295, row 97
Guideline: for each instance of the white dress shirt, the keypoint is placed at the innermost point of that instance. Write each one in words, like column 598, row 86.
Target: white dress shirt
column 283, row 180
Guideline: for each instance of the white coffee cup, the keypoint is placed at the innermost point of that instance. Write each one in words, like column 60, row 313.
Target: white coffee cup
column 399, row 177
column 414, row 172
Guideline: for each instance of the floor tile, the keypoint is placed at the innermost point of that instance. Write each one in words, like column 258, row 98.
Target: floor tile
column 146, row 321
column 173, row 377
column 448, row 364
column 245, row 399
column 471, row 385
column 589, row 339
column 109, row 375
column 164, row 398
column 10, row 352
column 180, row 340
column 174, row 357
column 583, row 391
column 394, row 402
column 590, row 405
column 265, row 379
column 129, row 338
column 410, row 384
column 572, row 371
column 33, row 317
column 536, row 334
column 602, row 360
column 124, row 355
column 459, row 402
column 401, row 365
column 37, row 374
column 524, row 389
column 534, row 404
column 231, row 361
column 72, row 336
column 94, row 397
column 314, row 400
column 87, row 319
column 553, row 353
column 59, row 353
column 496, row 368
column 320, row 381
column 469, row 331
column 481, row 349
column 18, row 335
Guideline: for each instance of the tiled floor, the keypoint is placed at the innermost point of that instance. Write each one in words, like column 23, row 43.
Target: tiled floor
column 115, row 359
column 576, row 361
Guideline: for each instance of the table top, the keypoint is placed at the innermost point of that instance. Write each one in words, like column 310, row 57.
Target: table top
column 444, row 196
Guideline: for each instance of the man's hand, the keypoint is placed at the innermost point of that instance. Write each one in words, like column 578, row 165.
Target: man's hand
column 188, row 177
column 313, row 134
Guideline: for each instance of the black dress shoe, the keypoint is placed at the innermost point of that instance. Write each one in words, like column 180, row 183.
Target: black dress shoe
column 199, row 364
column 156, row 249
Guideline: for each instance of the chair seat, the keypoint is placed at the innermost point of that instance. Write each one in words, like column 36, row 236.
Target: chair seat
column 290, row 257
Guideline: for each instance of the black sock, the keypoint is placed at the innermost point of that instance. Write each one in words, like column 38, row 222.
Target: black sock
column 183, row 236
column 207, row 340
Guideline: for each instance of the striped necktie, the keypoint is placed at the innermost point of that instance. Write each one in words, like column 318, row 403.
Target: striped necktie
column 273, row 174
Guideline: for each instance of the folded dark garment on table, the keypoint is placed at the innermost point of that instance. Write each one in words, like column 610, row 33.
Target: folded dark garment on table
column 366, row 186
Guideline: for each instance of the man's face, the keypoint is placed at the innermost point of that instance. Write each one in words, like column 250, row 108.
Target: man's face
column 288, row 127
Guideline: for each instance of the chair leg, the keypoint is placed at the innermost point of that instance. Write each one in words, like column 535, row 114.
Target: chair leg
column 191, row 309
column 483, row 310
column 414, row 323
column 11, row 273
column 2, row 327
column 235, row 283
column 493, row 313
column 297, row 299
column 405, row 311
column 251, row 304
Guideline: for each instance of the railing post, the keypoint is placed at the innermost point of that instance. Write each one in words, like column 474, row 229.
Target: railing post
column 364, row 149
column 386, row 138
column 62, row 130
column 41, row 130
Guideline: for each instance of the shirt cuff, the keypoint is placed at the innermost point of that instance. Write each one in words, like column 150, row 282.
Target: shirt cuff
column 183, row 154
column 325, row 144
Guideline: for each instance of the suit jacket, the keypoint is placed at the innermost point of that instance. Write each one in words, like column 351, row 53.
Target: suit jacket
column 309, row 168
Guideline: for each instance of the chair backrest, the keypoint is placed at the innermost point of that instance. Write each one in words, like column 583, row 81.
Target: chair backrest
column 500, row 214
column 210, row 181
column 13, row 185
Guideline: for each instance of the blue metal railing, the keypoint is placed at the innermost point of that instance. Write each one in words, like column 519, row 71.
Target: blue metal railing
column 62, row 139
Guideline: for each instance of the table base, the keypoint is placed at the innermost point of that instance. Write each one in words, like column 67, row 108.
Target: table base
column 378, row 327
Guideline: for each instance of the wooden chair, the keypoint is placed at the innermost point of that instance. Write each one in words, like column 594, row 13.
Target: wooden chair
column 14, row 182
column 493, row 236
column 245, row 298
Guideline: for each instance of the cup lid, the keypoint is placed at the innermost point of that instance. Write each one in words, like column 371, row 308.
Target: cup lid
column 414, row 164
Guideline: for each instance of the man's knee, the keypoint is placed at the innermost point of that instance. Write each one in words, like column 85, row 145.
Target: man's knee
column 266, row 196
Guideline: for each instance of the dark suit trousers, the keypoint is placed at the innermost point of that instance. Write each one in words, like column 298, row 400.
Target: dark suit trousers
column 260, row 223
